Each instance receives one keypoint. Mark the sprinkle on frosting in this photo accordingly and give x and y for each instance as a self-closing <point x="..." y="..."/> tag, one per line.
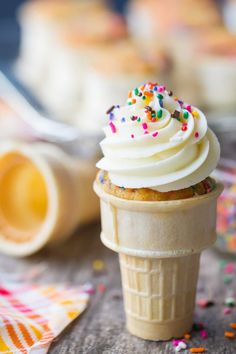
<point x="184" y="151"/>
<point x="113" y="127"/>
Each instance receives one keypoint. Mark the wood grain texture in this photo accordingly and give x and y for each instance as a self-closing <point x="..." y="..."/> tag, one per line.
<point x="101" y="329"/>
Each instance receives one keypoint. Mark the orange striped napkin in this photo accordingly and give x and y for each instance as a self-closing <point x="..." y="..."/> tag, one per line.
<point x="31" y="316"/>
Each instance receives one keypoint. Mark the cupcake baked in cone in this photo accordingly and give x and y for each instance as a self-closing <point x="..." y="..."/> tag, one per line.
<point x="158" y="206"/>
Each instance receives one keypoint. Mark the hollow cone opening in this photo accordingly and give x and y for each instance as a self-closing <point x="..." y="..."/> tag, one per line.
<point x="23" y="198"/>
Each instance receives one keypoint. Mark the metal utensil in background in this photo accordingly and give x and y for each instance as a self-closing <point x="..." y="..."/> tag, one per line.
<point x="45" y="127"/>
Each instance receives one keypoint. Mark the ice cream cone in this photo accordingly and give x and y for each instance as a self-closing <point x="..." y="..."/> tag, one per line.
<point x="159" y="245"/>
<point x="44" y="196"/>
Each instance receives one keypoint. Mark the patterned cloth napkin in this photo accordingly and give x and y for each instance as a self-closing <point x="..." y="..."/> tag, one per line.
<point x="31" y="316"/>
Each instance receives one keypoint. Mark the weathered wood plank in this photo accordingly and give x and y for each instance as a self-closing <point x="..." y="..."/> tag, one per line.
<point x="101" y="329"/>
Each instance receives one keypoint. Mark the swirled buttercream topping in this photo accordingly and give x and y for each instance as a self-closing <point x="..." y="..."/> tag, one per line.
<point x="157" y="141"/>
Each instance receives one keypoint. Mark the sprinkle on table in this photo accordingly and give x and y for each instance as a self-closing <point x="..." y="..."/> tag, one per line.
<point x="229" y="268"/>
<point x="227" y="311"/>
<point x="229" y="301"/>
<point x="205" y="303"/>
<point x="187" y="336"/>
<point x="197" y="326"/>
<point x="181" y="346"/>
<point x="203" y="334"/>
<point x="229" y="334"/>
<point x="98" y="265"/>
<point x="176" y="342"/>
<point x="101" y="288"/>
<point x="197" y="350"/>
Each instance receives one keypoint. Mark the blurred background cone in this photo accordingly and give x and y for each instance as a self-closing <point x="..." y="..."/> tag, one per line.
<point x="44" y="196"/>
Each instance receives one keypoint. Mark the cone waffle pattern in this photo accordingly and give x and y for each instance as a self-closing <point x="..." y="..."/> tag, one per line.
<point x="159" y="290"/>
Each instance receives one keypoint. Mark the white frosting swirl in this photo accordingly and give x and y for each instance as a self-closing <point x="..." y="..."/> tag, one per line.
<point x="163" y="153"/>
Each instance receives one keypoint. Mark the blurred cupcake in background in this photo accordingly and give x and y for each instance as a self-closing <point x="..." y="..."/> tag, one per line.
<point x="74" y="47"/>
<point x="217" y="69"/>
<point x="112" y="71"/>
<point x="159" y="19"/>
<point x="229" y="14"/>
<point x="40" y="21"/>
<point x="174" y="24"/>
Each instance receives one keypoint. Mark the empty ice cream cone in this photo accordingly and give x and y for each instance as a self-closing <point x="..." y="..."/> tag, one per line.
<point x="44" y="196"/>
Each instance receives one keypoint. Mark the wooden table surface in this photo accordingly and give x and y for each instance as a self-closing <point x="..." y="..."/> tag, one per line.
<point x="101" y="329"/>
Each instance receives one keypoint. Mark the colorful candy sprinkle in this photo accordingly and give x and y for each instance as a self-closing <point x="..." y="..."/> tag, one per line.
<point x="181" y="346"/>
<point x="189" y="108"/>
<point x="113" y="127"/>
<point x="101" y="288"/>
<point x="205" y="303"/>
<point x="160" y="96"/>
<point x="197" y="326"/>
<point x="110" y="109"/>
<point x="144" y="125"/>
<point x="175" y="114"/>
<point x="148" y="93"/>
<point x="197" y="350"/>
<point x="161" y="88"/>
<point x="196" y="135"/>
<point x="229" y="301"/>
<point x="187" y="336"/>
<point x="132" y="136"/>
<point x="230" y="335"/>
<point x="195" y="114"/>
<point x="185" y="114"/>
<point x="233" y="325"/>
<point x="204" y="334"/>
<point x="227" y="311"/>
<point x="175" y="342"/>
<point x="229" y="268"/>
<point x="159" y="113"/>
<point x="155" y="134"/>
<point x="98" y="265"/>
